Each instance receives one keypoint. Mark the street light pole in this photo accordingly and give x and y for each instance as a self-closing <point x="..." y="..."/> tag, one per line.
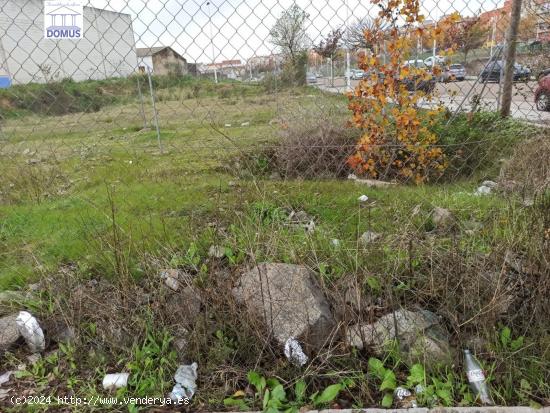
<point x="348" y="62"/>
<point x="212" y="42"/>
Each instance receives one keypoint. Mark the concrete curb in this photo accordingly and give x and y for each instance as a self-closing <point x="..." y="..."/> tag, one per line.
<point x="439" y="410"/>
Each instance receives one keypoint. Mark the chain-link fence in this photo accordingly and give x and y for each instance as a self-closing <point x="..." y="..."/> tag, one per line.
<point x="203" y="136"/>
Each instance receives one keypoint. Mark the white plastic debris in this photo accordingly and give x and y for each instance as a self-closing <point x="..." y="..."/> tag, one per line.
<point x="402" y="393"/>
<point x="115" y="381"/>
<point x="186" y="386"/>
<point x="490" y="184"/>
<point x="245" y="124"/>
<point x="32" y="332"/>
<point x="4" y="378"/>
<point x="227" y="125"/>
<point x="335" y="242"/>
<point x="483" y="190"/>
<point x="363" y="198"/>
<point x="294" y="352"/>
<point x="352" y="177"/>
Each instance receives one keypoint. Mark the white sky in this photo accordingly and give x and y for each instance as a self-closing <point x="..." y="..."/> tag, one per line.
<point x="240" y="28"/>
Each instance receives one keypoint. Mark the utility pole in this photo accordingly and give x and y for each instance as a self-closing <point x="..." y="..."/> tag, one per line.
<point x="510" y="58"/>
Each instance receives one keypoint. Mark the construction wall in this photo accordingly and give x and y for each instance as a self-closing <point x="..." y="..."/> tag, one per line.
<point x="107" y="49"/>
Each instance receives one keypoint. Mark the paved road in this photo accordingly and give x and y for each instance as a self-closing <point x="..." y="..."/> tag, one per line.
<point x="452" y="95"/>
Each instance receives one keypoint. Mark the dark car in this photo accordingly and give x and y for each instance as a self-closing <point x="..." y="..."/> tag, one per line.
<point x="494" y="70"/>
<point x="542" y="73"/>
<point x="542" y="94"/>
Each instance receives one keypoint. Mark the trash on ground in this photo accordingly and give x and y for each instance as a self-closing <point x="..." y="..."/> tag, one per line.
<point x="335" y="242"/>
<point x="363" y="198"/>
<point x="483" y="190"/>
<point x="186" y="377"/>
<point x="32" y="332"/>
<point x="401" y="393"/>
<point x="245" y="124"/>
<point x="4" y="378"/>
<point x="476" y="377"/>
<point x="294" y="352"/>
<point x="115" y="381"/>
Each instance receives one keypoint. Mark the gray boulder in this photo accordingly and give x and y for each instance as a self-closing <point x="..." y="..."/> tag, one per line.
<point x="289" y="300"/>
<point x="442" y="218"/>
<point x="9" y="333"/>
<point x="421" y="337"/>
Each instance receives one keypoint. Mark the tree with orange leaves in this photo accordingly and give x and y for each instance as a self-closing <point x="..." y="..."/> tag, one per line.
<point x="397" y="142"/>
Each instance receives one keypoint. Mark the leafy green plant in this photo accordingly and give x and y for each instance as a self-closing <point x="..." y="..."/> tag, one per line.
<point x="151" y="366"/>
<point x="273" y="396"/>
<point x="388" y="381"/>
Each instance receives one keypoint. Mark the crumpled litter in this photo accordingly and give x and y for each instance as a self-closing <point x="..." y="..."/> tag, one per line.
<point x="4" y="378"/>
<point x="186" y="386"/>
<point x="294" y="352"/>
<point x="486" y="188"/>
<point x="32" y="332"/>
<point x="115" y="381"/>
<point x="483" y="190"/>
<point x="402" y="393"/>
<point x="363" y="198"/>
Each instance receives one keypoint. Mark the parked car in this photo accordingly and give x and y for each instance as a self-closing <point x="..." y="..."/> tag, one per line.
<point x="439" y="61"/>
<point x="543" y="73"/>
<point x="494" y="70"/>
<point x="414" y="83"/>
<point x="457" y="72"/>
<point x="357" y="74"/>
<point x="542" y="94"/>
<point x="311" y="78"/>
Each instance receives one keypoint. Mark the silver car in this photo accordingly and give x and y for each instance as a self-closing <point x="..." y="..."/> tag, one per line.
<point x="457" y="72"/>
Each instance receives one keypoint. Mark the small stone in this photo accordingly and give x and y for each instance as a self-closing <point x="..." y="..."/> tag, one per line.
<point x="369" y="237"/>
<point x="173" y="278"/>
<point x="489" y="184"/>
<point x="231" y="183"/>
<point x="245" y="124"/>
<point x="216" y="251"/>
<point x="420" y="336"/>
<point x="300" y="217"/>
<point x="9" y="333"/>
<point x="34" y="358"/>
<point x="442" y="218"/>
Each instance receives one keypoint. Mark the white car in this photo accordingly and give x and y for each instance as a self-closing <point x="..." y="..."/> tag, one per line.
<point x="439" y="61"/>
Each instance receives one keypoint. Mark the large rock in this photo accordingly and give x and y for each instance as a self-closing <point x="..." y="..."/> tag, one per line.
<point x="290" y="301"/>
<point x="421" y="337"/>
<point x="9" y="333"/>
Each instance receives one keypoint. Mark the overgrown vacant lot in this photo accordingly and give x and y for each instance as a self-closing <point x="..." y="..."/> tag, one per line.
<point x="92" y="211"/>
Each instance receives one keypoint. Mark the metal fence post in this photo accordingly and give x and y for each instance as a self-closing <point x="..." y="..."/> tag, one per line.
<point x="155" y="114"/>
<point x="510" y="58"/>
<point x="141" y="103"/>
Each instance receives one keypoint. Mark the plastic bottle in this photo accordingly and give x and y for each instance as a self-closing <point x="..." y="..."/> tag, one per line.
<point x="476" y="377"/>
